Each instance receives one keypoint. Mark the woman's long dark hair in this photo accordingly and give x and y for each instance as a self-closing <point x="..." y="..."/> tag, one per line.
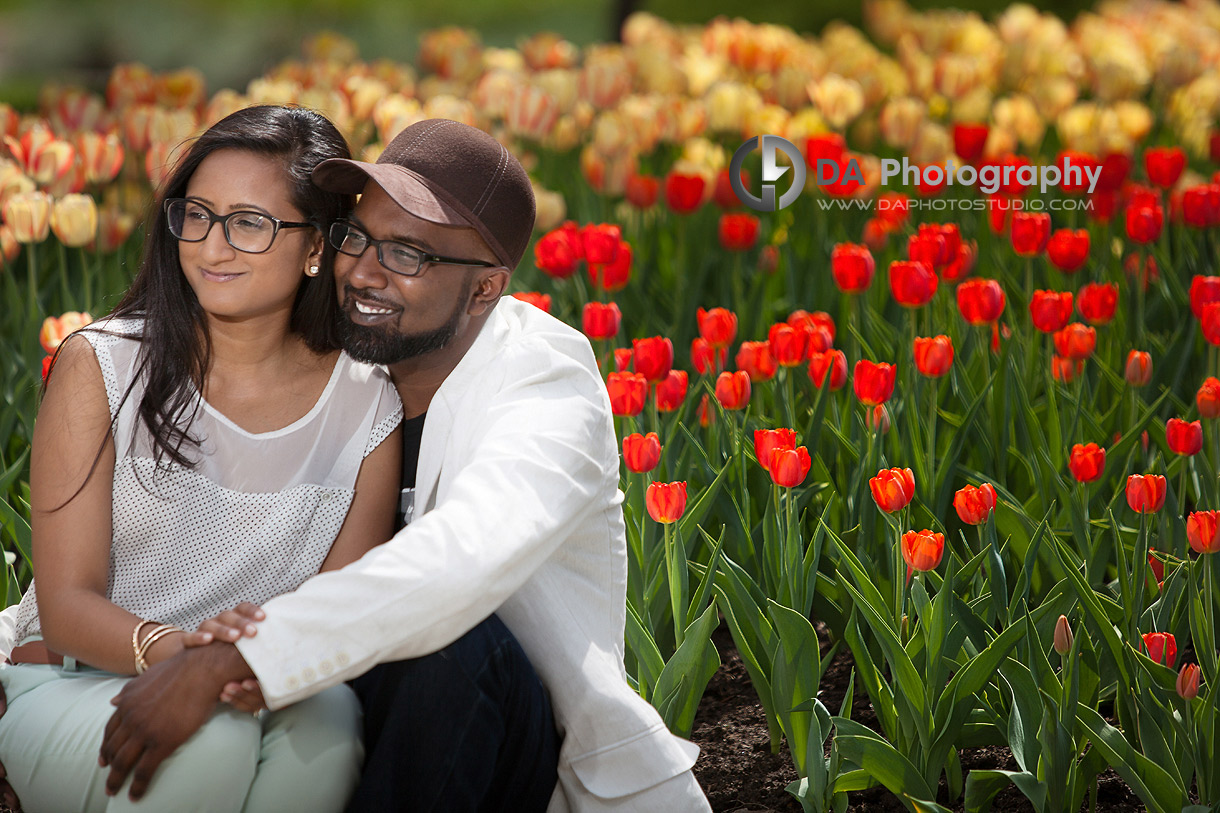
<point x="175" y="346"/>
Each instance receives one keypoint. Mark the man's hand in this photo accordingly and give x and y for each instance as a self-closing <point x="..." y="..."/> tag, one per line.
<point x="161" y="709"/>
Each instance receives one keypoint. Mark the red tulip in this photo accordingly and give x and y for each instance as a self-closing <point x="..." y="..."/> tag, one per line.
<point x="1139" y="368"/>
<point x="832" y="362"/>
<point x="601" y="321"/>
<point x="1065" y="370"/>
<point x="733" y="389"/>
<point x="1076" y="341"/>
<point x="737" y="231"/>
<point x="1078" y="159"/>
<point x="937" y="244"/>
<point x="642" y="190"/>
<point x="875" y="234"/>
<point x="1050" y="310"/>
<point x="818" y="326"/>
<point x="600" y="241"/>
<point x="962" y="264"/>
<point x="790" y="467"/>
<point x="705" y="358"/>
<point x="666" y="502"/>
<point x="1146" y="492"/>
<point x="1187" y="683"/>
<point x="1164" y="165"/>
<point x="1063" y="636"/>
<point x="1184" y="438"/>
<point x="1203" y="531"/>
<point x="969" y="140"/>
<point x="1031" y="231"/>
<point x="1203" y="291"/>
<point x="1210" y="322"/>
<point x="1086" y="462"/>
<point x="981" y="301"/>
<point x="1145" y="219"/>
<point x="614" y="275"/>
<point x="788" y="344"/>
<point x="556" y="254"/>
<point x="671" y="391"/>
<point x="717" y="326"/>
<point x="540" y="301"/>
<point x="1097" y="301"/>
<point x="622" y="359"/>
<point x="1162" y="647"/>
<point x="768" y="441"/>
<point x="1157" y="566"/>
<point x="825" y="146"/>
<point x="853" y="267"/>
<point x="933" y="356"/>
<point x="768" y="259"/>
<point x="684" y="193"/>
<point x="1208" y="398"/>
<point x="922" y="550"/>
<point x="653" y="357"/>
<point x="704" y="412"/>
<point x="877" y="419"/>
<point x="1068" y="249"/>
<point x="892" y="489"/>
<point x="974" y="505"/>
<point x="641" y="453"/>
<point x="912" y="283"/>
<point x="873" y="383"/>
<point x="627" y="392"/>
<point x="723" y="193"/>
<point x="756" y="360"/>
<point x="892" y="210"/>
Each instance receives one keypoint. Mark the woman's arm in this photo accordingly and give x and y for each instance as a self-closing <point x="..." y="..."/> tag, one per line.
<point x="71" y="522"/>
<point x="370" y="520"/>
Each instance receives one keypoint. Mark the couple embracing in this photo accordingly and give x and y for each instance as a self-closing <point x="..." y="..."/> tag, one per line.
<point x="304" y="551"/>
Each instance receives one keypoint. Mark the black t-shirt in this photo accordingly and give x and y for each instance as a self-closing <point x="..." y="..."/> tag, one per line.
<point x="412" y="432"/>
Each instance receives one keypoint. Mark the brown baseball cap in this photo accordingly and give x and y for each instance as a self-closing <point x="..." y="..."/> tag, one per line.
<point x="447" y="172"/>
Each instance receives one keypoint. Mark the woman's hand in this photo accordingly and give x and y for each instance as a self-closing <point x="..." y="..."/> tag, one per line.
<point x="245" y="696"/>
<point x="229" y="625"/>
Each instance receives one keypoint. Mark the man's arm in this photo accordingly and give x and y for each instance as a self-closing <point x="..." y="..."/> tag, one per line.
<point x="540" y="463"/>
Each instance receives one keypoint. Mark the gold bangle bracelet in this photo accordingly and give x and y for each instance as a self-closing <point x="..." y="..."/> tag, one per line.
<point x="135" y="645"/>
<point x="159" y="632"/>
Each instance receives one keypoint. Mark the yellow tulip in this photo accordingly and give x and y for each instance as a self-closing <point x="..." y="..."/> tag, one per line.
<point x="28" y="214"/>
<point x="74" y="220"/>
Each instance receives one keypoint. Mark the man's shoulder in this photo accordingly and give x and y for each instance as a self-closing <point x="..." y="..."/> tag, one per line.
<point x="529" y="331"/>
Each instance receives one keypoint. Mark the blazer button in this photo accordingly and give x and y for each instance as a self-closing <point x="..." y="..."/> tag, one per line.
<point x="343" y="659"/>
<point x="292" y="683"/>
<point x="309" y="674"/>
<point x="326" y="667"/>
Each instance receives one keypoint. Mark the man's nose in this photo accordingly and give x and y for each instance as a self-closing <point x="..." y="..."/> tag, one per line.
<point x="364" y="271"/>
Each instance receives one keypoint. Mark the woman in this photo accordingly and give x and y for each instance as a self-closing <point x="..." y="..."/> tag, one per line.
<point x="205" y="446"/>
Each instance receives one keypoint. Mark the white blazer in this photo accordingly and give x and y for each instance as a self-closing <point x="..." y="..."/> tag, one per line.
<point x="518" y="512"/>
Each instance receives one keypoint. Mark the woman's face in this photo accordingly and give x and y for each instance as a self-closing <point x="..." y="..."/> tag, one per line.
<point x="235" y="285"/>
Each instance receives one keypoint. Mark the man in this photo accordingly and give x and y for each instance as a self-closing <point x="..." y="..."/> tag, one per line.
<point x="516" y="511"/>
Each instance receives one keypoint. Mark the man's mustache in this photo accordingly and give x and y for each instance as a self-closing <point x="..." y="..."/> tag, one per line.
<point x="349" y="292"/>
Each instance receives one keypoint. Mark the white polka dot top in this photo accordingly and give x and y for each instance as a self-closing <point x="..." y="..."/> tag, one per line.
<point x="256" y="516"/>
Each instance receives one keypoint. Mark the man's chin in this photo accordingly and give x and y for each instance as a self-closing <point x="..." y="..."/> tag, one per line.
<point x="379" y="346"/>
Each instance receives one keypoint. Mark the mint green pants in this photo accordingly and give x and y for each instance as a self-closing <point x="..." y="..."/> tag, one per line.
<point x="304" y="757"/>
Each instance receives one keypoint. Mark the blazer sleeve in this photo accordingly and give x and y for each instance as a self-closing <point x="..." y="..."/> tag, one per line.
<point x="540" y="460"/>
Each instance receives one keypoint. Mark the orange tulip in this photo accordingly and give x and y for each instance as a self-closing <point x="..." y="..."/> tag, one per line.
<point x="641" y="453"/>
<point x="57" y="328"/>
<point x="1208" y="398"/>
<point x="1063" y="636"/>
<point x="892" y="489"/>
<point x="1187" y="683"/>
<point x="1203" y="531"/>
<point x="790" y="467"/>
<point x="666" y="502"/>
<point x="1139" y="368"/>
<point x="769" y="441"/>
<point x="974" y="505"/>
<point x="922" y="550"/>
<point x="538" y="300"/>
<point x="733" y="389"/>
<point x="1146" y="492"/>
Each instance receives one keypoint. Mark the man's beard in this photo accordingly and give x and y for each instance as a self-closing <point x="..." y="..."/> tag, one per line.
<point x="388" y="345"/>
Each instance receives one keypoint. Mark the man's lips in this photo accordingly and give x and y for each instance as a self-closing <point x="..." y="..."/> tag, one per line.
<point x="367" y="310"/>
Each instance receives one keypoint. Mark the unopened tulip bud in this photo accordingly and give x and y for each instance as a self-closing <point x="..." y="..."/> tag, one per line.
<point x="1188" y="682"/>
<point x="1063" y="636"/>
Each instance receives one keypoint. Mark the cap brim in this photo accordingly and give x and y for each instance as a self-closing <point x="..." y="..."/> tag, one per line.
<point x="406" y="188"/>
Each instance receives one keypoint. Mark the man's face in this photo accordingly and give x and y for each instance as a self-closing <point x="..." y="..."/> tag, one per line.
<point x="387" y="317"/>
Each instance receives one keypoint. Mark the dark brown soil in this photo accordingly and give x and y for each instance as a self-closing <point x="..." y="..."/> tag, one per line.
<point x="740" y="774"/>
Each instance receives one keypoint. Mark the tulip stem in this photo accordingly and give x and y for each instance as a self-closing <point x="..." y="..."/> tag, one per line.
<point x="85" y="280"/>
<point x="932" y="415"/>
<point x="64" y="290"/>
<point x="1182" y="492"/>
<point x="674" y="597"/>
<point x="1140" y="569"/>
<point x="1140" y="284"/>
<point x="32" y="280"/>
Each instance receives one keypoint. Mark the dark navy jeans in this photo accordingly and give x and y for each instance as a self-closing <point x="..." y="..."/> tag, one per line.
<point x="467" y="729"/>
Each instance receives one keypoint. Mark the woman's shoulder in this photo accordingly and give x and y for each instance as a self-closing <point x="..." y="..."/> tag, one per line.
<point x="110" y="330"/>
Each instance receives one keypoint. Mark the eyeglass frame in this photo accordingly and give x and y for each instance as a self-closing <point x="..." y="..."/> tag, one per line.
<point x="223" y="220"/>
<point x="424" y="256"/>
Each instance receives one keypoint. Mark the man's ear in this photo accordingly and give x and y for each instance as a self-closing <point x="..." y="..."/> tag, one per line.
<point x="489" y="286"/>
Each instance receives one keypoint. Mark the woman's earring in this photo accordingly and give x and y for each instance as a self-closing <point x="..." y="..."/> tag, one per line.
<point x="312" y="271"/>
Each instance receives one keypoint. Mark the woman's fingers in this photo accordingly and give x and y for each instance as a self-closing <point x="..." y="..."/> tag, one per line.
<point x="250" y="611"/>
<point x="197" y="638"/>
<point x="229" y="626"/>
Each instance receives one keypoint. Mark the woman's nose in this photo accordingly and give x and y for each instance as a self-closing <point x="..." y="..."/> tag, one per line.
<point x="215" y="247"/>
